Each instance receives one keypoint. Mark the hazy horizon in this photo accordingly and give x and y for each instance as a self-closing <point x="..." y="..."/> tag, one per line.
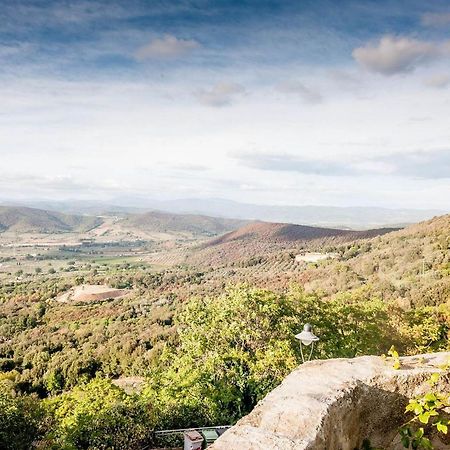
<point x="268" y="102"/>
<point x="144" y="202"/>
<point x="357" y="218"/>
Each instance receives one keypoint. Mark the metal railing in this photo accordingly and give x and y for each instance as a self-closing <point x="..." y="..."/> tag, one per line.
<point x="182" y="430"/>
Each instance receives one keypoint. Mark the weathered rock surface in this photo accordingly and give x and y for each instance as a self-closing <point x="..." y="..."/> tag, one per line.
<point x="336" y="405"/>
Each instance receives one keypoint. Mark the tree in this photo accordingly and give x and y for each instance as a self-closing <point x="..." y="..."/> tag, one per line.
<point x="99" y="415"/>
<point x="20" y="419"/>
<point x="231" y="351"/>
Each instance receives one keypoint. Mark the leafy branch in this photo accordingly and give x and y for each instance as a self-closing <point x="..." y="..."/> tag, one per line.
<point x="393" y="353"/>
<point x="428" y="413"/>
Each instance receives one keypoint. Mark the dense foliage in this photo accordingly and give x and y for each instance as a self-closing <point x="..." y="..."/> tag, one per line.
<point x="227" y="353"/>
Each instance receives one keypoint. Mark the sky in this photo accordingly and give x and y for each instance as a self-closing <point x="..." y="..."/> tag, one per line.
<point x="306" y="102"/>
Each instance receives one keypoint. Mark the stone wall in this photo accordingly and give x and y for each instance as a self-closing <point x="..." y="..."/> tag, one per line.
<point x="336" y="405"/>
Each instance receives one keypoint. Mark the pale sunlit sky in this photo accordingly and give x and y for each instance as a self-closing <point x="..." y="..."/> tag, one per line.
<point x="284" y="102"/>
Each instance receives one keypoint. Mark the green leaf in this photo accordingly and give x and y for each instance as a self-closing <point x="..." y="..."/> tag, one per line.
<point x="392" y="352"/>
<point x="430" y="397"/>
<point x="434" y="379"/>
<point x="405" y="441"/>
<point x="426" y="444"/>
<point x="442" y="427"/>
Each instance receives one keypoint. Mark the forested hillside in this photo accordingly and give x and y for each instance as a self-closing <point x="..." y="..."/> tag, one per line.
<point x="410" y="266"/>
<point x="270" y="240"/>
<point x="162" y="222"/>
<point x="30" y="220"/>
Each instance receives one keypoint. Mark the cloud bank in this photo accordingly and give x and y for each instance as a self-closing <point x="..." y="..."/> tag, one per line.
<point x="434" y="164"/>
<point x="439" y="81"/>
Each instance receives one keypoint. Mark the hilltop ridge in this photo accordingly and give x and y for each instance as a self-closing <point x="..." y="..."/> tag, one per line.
<point x="30" y="220"/>
<point x="287" y="232"/>
<point x="200" y="225"/>
<point x="271" y="240"/>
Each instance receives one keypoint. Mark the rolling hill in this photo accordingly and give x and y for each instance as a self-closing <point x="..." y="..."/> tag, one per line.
<point x="286" y="232"/>
<point x="31" y="220"/>
<point x="197" y="225"/>
<point x="410" y="266"/>
<point x="265" y="240"/>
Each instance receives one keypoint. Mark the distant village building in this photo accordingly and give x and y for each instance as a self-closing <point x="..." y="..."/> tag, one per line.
<point x="312" y="257"/>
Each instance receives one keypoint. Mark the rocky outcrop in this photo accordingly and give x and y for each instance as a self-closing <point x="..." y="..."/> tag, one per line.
<point x="336" y="405"/>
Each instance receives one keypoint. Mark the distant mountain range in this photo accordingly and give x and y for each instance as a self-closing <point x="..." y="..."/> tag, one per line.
<point x="325" y="216"/>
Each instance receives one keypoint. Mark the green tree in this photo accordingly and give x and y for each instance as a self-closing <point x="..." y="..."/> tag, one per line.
<point x="233" y="349"/>
<point x="20" y="420"/>
<point x="99" y="415"/>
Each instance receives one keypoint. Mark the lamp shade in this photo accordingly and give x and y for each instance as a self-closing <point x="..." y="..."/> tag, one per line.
<point x="307" y="337"/>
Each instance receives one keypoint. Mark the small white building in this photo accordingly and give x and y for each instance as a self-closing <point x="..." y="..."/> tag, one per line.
<point x="312" y="257"/>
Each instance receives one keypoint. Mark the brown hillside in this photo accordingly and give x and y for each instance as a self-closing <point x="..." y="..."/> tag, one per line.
<point x="283" y="232"/>
<point x="407" y="267"/>
<point x="262" y="239"/>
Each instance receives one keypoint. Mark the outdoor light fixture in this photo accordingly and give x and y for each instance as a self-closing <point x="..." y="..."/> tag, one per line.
<point x="307" y="337"/>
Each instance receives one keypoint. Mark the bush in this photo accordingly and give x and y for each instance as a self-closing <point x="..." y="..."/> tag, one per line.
<point x="20" y="421"/>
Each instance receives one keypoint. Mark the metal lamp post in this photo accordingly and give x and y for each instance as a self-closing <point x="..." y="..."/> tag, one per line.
<point x="307" y="337"/>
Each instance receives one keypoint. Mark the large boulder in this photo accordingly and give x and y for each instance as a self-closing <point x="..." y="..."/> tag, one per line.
<point x="336" y="405"/>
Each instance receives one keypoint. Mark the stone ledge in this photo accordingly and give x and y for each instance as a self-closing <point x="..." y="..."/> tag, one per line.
<point x="335" y="405"/>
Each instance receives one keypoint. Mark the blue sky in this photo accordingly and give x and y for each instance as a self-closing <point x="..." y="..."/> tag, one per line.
<point x="303" y="102"/>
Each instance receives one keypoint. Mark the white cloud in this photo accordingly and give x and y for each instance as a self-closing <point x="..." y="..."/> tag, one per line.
<point x="291" y="163"/>
<point x="436" y="19"/>
<point x="222" y="94"/>
<point x="307" y="94"/>
<point x="439" y="81"/>
<point x="167" y="47"/>
<point x="431" y="164"/>
<point x="392" y="55"/>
